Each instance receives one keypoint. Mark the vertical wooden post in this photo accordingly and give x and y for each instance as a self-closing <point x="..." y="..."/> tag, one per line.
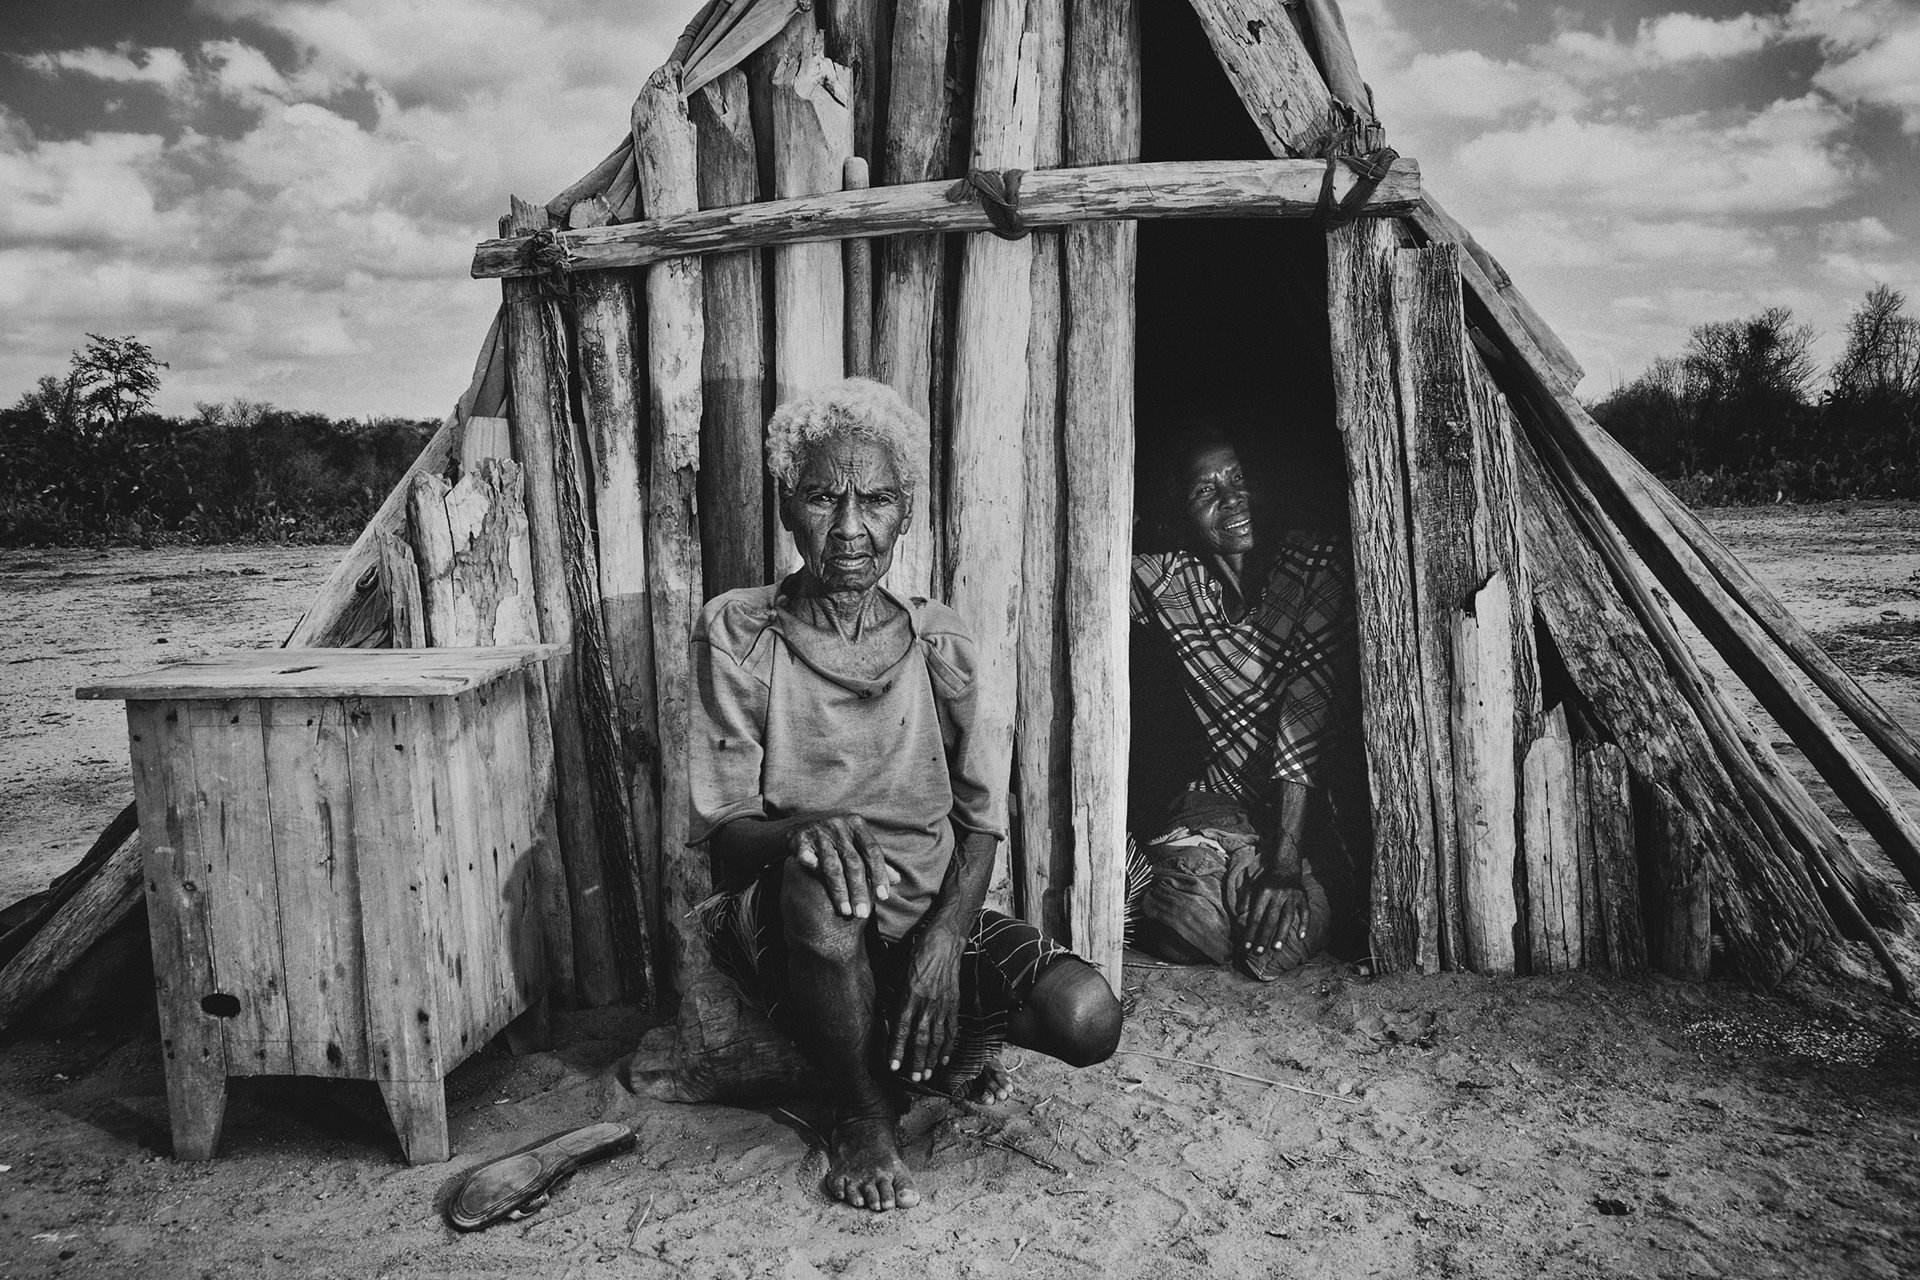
<point x="911" y="268"/>
<point x="1685" y="937"/>
<point x="1549" y="837"/>
<point x="664" y="142"/>
<point x="1102" y="127"/>
<point x="1041" y="732"/>
<point x="858" y="35"/>
<point x="812" y="136"/>
<point x="1486" y="788"/>
<point x="1613" y="913"/>
<point x="541" y="432"/>
<point x="987" y="506"/>
<point x="859" y="268"/>
<point x="1405" y="924"/>
<point x="610" y="393"/>
<point x="733" y="517"/>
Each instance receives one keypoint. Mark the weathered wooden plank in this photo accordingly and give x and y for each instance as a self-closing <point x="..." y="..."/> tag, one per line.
<point x="1683" y="906"/>
<point x="1041" y="732"/>
<point x="611" y="380"/>
<point x="229" y="799"/>
<point x="1486" y="788"/>
<point x="1405" y="923"/>
<point x="1272" y="72"/>
<point x="191" y="1037"/>
<point x="316" y="866"/>
<point x="812" y="138"/>
<point x="1607" y="831"/>
<point x="908" y="335"/>
<point x="987" y="507"/>
<point x="105" y="898"/>
<point x="1048" y="198"/>
<point x="543" y="440"/>
<point x="665" y="141"/>
<point x="321" y="673"/>
<point x="1549" y="839"/>
<point x="733" y="511"/>
<point x="395" y="850"/>
<point x="1102" y="127"/>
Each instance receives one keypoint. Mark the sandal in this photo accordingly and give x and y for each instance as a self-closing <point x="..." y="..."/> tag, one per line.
<point x="520" y="1183"/>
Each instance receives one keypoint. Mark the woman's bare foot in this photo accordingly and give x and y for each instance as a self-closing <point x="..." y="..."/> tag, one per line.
<point x="864" y="1167"/>
<point x="994" y="1084"/>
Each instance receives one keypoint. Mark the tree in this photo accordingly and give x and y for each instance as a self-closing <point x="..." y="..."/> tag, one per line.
<point x="114" y="378"/>
<point x="1748" y="380"/>
<point x="1882" y="359"/>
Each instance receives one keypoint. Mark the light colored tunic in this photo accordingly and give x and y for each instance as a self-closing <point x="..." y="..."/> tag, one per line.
<point x="776" y="736"/>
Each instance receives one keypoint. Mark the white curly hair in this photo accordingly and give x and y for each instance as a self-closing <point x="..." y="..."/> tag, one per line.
<point x="854" y="409"/>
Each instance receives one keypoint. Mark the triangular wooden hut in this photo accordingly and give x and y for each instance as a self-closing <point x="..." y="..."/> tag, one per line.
<point x="807" y="192"/>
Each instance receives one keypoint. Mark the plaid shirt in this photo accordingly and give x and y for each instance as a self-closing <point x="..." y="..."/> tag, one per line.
<point x="1272" y="689"/>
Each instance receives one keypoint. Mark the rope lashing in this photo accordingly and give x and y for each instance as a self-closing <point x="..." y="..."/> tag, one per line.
<point x="998" y="192"/>
<point x="1369" y="171"/>
<point x="546" y="258"/>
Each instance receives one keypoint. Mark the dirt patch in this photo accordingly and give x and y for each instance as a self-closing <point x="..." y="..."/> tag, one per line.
<point x="1452" y="1126"/>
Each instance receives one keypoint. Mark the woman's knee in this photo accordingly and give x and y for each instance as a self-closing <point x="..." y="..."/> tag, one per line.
<point x="810" y="919"/>
<point x="1073" y="1015"/>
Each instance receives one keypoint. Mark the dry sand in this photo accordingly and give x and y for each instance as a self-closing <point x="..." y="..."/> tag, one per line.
<point x="1571" y="1126"/>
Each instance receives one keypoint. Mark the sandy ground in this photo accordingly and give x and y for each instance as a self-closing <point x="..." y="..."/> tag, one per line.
<point x="1460" y="1126"/>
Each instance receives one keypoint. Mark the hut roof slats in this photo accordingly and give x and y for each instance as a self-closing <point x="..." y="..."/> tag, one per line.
<point x="749" y="30"/>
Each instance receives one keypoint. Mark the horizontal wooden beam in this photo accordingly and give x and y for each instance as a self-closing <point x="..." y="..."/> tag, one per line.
<point x="1048" y="198"/>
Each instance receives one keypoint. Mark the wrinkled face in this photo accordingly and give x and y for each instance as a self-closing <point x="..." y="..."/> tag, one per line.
<point x="845" y="511"/>
<point x="1220" y="501"/>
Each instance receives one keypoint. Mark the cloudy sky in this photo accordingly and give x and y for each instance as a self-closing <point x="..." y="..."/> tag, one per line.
<point x="281" y="196"/>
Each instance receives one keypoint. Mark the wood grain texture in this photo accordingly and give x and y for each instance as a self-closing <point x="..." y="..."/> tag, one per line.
<point x="665" y="140"/>
<point x="1272" y="72"/>
<point x="1683" y="903"/>
<point x="987" y="509"/>
<point x="1102" y="127"/>
<point x="543" y="442"/>
<point x="192" y="1040"/>
<point x="1550" y="841"/>
<point x="812" y="138"/>
<point x="1405" y="923"/>
<point x="612" y="385"/>
<point x="102" y="901"/>
<point x="1486" y="785"/>
<point x="733" y="484"/>
<point x="322" y="673"/>
<point x="909" y="270"/>
<point x="1608" y="832"/>
<point x="1044" y="840"/>
<point x="1048" y="198"/>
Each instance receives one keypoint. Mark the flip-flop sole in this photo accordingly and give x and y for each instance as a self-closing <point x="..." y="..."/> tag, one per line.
<point x="495" y="1189"/>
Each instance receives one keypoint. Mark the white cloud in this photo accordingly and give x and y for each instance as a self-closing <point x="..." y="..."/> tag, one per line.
<point x="308" y="257"/>
<point x="1467" y="85"/>
<point x="1670" y="40"/>
<point x="1787" y="157"/>
<point x="1872" y="50"/>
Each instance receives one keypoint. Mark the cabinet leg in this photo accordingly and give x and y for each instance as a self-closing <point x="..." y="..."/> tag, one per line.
<point x="197" y="1106"/>
<point x="418" y="1109"/>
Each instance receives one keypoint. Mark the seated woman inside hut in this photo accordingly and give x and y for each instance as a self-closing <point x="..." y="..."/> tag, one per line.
<point x="1245" y="667"/>
<point x="851" y="828"/>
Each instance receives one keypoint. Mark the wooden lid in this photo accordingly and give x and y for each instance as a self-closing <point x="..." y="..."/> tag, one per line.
<point x="324" y="673"/>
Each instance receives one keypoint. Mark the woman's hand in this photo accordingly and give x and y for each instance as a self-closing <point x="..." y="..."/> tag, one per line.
<point x="843" y="853"/>
<point x="1268" y="902"/>
<point x="924" y="1032"/>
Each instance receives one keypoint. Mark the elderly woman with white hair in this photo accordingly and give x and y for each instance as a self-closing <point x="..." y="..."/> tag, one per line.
<point x="838" y="789"/>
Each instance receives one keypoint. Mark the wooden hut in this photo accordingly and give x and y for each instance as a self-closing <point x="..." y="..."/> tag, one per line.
<point x="1030" y="217"/>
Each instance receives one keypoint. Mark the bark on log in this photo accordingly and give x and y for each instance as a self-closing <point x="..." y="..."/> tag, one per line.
<point x="1048" y="198"/>
<point x="1405" y="923"/>
<point x="1685" y="933"/>
<point x="544" y="445"/>
<point x="114" y="889"/>
<point x="1607" y="842"/>
<point x="1551" y="844"/>
<point x="665" y="141"/>
<point x="1045" y="836"/>
<point x="406" y="625"/>
<point x="1102" y="127"/>
<point x="908" y="312"/>
<point x="1486" y="789"/>
<point x="733" y="501"/>
<point x="859" y="268"/>
<point x="610" y="395"/>
<point x="987" y="508"/>
<point x="1763" y="902"/>
<point x="1270" y="69"/>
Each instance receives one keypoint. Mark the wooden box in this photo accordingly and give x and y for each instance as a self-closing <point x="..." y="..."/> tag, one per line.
<point x="338" y="848"/>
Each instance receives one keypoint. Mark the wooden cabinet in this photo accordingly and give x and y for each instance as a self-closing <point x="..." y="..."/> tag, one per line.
<point x="338" y="861"/>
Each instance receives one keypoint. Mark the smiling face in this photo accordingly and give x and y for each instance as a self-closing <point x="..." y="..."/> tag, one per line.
<point x="1220" y="501"/>
<point x="845" y="511"/>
